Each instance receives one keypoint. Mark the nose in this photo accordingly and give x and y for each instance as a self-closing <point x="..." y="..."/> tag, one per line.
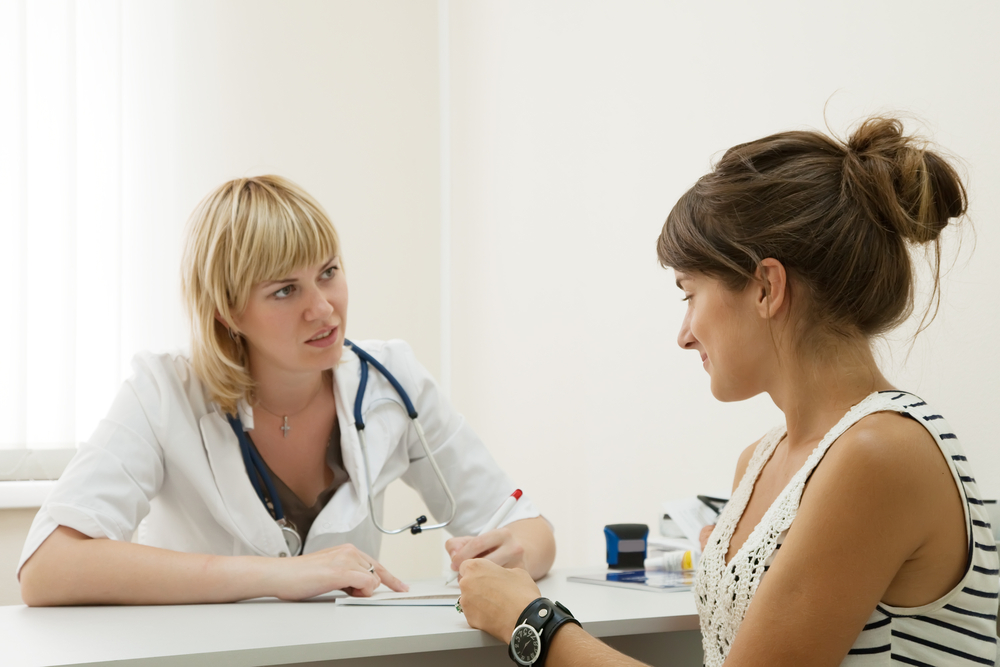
<point x="318" y="307"/>
<point x="684" y="337"/>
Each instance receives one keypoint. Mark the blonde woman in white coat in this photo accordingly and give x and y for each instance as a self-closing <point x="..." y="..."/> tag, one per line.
<point x="265" y="287"/>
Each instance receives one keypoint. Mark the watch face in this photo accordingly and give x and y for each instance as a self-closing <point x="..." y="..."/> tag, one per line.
<point x="526" y="644"/>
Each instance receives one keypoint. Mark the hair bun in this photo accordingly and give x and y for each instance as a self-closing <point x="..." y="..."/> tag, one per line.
<point x="908" y="188"/>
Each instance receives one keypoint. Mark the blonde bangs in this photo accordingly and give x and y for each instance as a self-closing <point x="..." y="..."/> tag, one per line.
<point x="248" y="231"/>
<point x="272" y="235"/>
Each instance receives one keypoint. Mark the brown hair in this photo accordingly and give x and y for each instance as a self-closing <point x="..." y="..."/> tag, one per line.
<point x="839" y="216"/>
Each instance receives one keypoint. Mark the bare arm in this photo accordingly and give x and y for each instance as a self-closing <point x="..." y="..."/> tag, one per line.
<point x="70" y="568"/>
<point x="539" y="545"/>
<point x="527" y="544"/>
<point x="573" y="646"/>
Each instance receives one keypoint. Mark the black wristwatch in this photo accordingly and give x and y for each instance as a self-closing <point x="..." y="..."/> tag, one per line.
<point x="529" y="644"/>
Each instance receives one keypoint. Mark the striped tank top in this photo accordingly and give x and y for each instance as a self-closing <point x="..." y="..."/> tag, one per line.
<point x="957" y="629"/>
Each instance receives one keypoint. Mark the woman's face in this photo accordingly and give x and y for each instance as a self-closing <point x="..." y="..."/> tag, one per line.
<point x="296" y="324"/>
<point x="727" y="330"/>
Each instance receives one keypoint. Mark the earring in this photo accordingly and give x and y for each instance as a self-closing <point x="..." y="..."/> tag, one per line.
<point x="234" y="336"/>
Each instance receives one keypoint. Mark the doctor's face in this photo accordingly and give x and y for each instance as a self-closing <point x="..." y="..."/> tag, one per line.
<point x="724" y="327"/>
<point x="296" y="323"/>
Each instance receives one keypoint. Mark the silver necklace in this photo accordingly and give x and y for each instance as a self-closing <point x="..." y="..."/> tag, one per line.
<point x="285" y="428"/>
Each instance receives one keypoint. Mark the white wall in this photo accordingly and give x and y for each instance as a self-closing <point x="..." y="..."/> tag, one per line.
<point x="576" y="125"/>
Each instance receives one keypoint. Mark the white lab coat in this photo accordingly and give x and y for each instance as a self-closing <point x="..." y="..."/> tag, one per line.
<point x="166" y="456"/>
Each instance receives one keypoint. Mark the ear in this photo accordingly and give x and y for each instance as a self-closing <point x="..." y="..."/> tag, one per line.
<point x="771" y="288"/>
<point x="221" y="320"/>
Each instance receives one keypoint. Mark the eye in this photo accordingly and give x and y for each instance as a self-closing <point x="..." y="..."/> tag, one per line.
<point x="329" y="272"/>
<point x="687" y="297"/>
<point x="284" y="292"/>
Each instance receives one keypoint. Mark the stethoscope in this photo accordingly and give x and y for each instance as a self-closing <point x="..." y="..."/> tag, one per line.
<point x="257" y="471"/>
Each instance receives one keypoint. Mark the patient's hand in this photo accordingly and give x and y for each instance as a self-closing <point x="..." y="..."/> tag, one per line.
<point x="493" y="597"/>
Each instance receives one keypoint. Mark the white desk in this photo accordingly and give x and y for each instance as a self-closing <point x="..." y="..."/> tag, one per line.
<point x="660" y="628"/>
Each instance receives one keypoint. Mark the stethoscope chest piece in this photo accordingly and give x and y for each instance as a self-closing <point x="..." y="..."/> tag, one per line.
<point x="292" y="538"/>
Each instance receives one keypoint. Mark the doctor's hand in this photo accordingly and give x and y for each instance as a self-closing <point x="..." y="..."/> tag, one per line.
<point x="344" y="567"/>
<point x="525" y="543"/>
<point x="500" y="546"/>
<point x="493" y="597"/>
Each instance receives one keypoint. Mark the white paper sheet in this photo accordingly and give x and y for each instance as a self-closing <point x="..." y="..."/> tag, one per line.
<point x="421" y="594"/>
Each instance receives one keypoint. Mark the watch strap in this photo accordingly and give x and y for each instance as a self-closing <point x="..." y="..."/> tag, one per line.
<point x="530" y="613"/>
<point x="558" y="617"/>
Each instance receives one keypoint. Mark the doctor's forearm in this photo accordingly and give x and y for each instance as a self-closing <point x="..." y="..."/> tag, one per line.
<point x="539" y="544"/>
<point x="70" y="568"/>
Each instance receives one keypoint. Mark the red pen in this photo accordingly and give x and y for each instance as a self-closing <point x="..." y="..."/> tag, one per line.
<point x="498" y="516"/>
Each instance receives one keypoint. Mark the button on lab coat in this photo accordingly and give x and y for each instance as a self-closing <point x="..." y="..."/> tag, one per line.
<point x="165" y="461"/>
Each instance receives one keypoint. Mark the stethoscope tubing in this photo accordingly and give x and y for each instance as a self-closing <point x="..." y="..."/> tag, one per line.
<point x="359" y="423"/>
<point x="257" y="471"/>
<point x="253" y="461"/>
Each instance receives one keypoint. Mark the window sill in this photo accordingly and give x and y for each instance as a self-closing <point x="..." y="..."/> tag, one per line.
<point x="28" y="475"/>
<point x="24" y="494"/>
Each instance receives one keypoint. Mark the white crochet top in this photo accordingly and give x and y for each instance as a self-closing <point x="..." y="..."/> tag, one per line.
<point x="959" y="626"/>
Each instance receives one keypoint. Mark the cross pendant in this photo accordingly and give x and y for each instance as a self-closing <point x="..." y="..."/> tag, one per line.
<point x="285" y="429"/>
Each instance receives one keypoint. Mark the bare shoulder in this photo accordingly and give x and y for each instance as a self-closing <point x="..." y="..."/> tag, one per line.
<point x="888" y="454"/>
<point x="891" y="439"/>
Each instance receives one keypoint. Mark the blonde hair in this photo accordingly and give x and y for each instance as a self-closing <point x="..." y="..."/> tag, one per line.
<point x="247" y="231"/>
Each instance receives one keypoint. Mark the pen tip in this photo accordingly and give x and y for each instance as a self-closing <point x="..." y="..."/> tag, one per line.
<point x="517" y="494"/>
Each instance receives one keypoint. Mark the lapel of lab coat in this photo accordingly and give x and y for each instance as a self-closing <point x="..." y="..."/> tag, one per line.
<point x="250" y="519"/>
<point x="346" y="379"/>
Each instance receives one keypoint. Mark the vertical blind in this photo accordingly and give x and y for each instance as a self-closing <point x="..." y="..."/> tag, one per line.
<point x="61" y="246"/>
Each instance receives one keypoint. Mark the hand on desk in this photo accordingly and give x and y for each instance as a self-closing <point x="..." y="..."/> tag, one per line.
<point x="493" y="599"/>
<point x="344" y="567"/>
